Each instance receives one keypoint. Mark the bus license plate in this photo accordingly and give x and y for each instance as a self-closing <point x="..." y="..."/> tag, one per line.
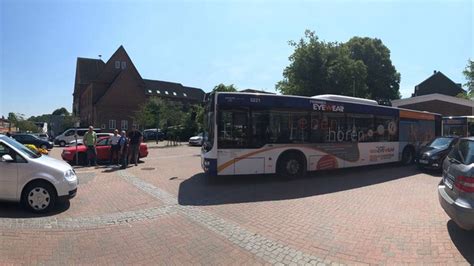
<point x="448" y="182"/>
<point x="424" y="161"/>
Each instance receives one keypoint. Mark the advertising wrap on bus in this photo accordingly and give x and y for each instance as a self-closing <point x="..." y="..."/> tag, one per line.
<point x="266" y="134"/>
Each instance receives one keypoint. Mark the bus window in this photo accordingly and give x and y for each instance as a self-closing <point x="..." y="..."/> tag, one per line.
<point x="261" y="133"/>
<point x="299" y="127"/>
<point x="470" y="129"/>
<point x="233" y="128"/>
<point x="360" y="128"/>
<point x="386" y="128"/>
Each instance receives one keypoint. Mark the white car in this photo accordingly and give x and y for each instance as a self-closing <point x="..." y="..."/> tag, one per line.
<point x="37" y="181"/>
<point x="196" y="140"/>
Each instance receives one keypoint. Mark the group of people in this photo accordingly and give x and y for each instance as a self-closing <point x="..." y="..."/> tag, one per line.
<point x="124" y="148"/>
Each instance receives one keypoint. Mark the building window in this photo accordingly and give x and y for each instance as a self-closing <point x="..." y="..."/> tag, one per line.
<point x="124" y="125"/>
<point x="166" y="92"/>
<point x="124" y="64"/>
<point x="117" y="64"/>
<point x="103" y="126"/>
<point x="112" y="124"/>
<point x="174" y="93"/>
<point x="157" y="91"/>
<point x="185" y="95"/>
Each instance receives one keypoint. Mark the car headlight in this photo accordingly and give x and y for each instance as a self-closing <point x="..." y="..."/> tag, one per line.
<point x="70" y="175"/>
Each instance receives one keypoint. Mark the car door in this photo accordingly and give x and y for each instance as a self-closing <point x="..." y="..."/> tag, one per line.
<point x="103" y="149"/>
<point x="9" y="174"/>
<point x="28" y="139"/>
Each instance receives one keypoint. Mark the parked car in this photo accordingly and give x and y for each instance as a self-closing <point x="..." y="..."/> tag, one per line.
<point x="31" y="139"/>
<point x="42" y="136"/>
<point x="196" y="140"/>
<point x="67" y="136"/>
<point x="456" y="190"/>
<point x="153" y="134"/>
<point x="37" y="181"/>
<point x="103" y="148"/>
<point x="433" y="154"/>
<point x="80" y="141"/>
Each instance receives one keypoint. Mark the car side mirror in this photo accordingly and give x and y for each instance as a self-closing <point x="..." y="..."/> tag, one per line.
<point x="7" y="158"/>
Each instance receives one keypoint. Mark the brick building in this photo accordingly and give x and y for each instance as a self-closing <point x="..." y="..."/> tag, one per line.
<point x="436" y="94"/>
<point x="107" y="95"/>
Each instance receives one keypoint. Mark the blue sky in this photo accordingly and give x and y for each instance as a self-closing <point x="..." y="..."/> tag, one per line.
<point x="204" y="43"/>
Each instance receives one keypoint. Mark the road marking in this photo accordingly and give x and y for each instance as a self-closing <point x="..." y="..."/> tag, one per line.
<point x="271" y="251"/>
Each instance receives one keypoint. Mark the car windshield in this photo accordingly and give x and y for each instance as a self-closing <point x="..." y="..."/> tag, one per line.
<point x="440" y="143"/>
<point x="465" y="151"/>
<point x="21" y="148"/>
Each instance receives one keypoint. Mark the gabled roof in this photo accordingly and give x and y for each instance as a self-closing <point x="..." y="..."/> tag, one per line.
<point x="175" y="90"/>
<point x="88" y="69"/>
<point x="110" y="73"/>
<point x="438" y="83"/>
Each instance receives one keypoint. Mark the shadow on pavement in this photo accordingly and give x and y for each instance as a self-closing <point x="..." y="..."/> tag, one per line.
<point x="463" y="240"/>
<point x="15" y="210"/>
<point x="202" y="190"/>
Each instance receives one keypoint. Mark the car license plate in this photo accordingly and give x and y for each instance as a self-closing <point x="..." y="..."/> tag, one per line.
<point x="448" y="182"/>
<point x="424" y="161"/>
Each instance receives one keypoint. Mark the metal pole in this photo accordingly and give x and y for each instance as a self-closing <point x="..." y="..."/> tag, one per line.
<point x="75" y="137"/>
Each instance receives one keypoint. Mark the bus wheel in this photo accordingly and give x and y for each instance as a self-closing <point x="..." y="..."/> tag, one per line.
<point x="408" y="155"/>
<point x="291" y="165"/>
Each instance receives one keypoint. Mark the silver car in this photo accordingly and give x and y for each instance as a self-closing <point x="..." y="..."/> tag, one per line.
<point x="456" y="190"/>
<point x="37" y="181"/>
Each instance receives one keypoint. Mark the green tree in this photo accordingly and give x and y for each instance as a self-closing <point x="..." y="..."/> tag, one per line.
<point x="225" y="88"/>
<point x="61" y="111"/>
<point x="383" y="80"/>
<point x="21" y="123"/>
<point x="469" y="74"/>
<point x="318" y="67"/>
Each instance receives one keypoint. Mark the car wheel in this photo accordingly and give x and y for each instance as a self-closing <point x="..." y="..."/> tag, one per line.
<point x="291" y="165"/>
<point x="62" y="143"/>
<point x="407" y="156"/>
<point x="39" y="197"/>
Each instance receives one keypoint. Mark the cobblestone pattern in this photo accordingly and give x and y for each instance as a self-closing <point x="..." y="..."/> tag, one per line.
<point x="85" y="177"/>
<point x="271" y="251"/>
<point x="86" y="222"/>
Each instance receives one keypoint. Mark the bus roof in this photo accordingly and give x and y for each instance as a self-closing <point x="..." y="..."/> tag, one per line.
<point x="341" y="98"/>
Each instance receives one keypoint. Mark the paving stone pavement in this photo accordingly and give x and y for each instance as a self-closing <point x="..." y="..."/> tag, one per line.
<point x="165" y="211"/>
<point x="271" y="251"/>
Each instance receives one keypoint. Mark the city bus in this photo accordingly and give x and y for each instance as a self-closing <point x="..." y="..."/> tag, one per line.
<point x="258" y="133"/>
<point x="462" y="126"/>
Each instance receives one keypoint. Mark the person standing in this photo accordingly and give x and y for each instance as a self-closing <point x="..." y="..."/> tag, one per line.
<point x="123" y="148"/>
<point x="136" y="139"/>
<point x="90" y="140"/>
<point x="115" y="148"/>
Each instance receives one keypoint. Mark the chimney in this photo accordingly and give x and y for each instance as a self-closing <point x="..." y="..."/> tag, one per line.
<point x="434" y="71"/>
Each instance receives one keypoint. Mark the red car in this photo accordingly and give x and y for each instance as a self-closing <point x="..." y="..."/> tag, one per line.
<point x="103" y="152"/>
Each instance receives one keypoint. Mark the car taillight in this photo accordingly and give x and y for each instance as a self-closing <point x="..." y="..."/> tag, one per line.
<point x="464" y="183"/>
